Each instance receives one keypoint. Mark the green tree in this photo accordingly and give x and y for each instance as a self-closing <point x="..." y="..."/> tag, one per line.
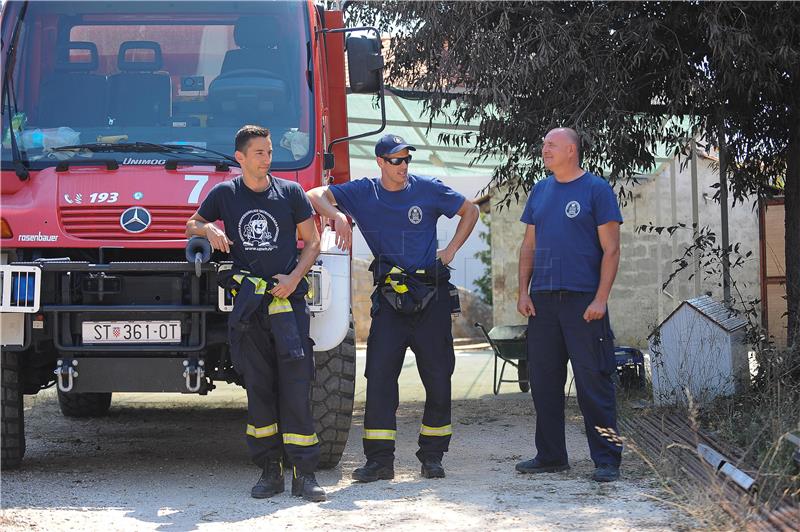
<point x="629" y="76"/>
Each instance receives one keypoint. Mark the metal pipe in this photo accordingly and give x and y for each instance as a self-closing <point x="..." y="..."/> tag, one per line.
<point x="695" y="216"/>
<point x="723" y="202"/>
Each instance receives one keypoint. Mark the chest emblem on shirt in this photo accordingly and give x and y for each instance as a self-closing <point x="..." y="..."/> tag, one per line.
<point x="573" y="209"/>
<point x="258" y="230"/>
<point x="415" y="215"/>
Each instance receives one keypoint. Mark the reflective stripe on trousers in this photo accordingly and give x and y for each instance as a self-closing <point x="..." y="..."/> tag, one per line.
<point x="380" y="434"/>
<point x="304" y="440"/>
<point x="446" y="430"/>
<point x="262" y="432"/>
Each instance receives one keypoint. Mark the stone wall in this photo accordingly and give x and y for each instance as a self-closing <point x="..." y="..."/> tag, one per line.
<point x="472" y="308"/>
<point x="507" y="233"/>
<point x="637" y="301"/>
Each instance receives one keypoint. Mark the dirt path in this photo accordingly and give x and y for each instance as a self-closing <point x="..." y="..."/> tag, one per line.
<point x="181" y="464"/>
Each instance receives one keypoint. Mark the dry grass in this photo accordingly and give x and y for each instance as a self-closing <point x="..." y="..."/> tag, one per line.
<point x="759" y="420"/>
<point x="755" y="422"/>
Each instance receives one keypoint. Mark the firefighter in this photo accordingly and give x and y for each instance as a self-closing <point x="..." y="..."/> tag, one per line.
<point x="568" y="260"/>
<point x="411" y="305"/>
<point x="269" y="325"/>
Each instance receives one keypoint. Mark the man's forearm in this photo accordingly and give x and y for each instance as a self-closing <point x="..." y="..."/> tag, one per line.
<point x="321" y="203"/>
<point x="465" y="225"/>
<point x="525" y="268"/>
<point x="608" y="272"/>
<point x="196" y="228"/>
<point x="307" y="257"/>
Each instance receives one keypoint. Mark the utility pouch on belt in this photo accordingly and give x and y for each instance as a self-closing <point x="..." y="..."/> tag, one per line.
<point x="404" y="303"/>
<point x="408" y="293"/>
<point x="455" y="300"/>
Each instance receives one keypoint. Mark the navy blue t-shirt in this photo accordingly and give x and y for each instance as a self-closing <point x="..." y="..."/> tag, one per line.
<point x="399" y="227"/>
<point x="261" y="225"/>
<point x="566" y="216"/>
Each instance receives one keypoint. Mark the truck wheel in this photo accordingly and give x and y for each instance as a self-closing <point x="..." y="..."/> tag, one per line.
<point x="12" y="436"/>
<point x="332" y="398"/>
<point x="84" y="404"/>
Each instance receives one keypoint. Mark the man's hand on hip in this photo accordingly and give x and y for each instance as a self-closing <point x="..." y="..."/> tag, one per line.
<point x="445" y="255"/>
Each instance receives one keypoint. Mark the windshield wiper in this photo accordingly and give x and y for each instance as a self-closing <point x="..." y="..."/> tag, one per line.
<point x="18" y="161"/>
<point x="192" y="149"/>
<point x="149" y="147"/>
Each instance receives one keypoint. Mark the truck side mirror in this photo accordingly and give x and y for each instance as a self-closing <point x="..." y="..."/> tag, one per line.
<point x="364" y="64"/>
<point x="328" y="162"/>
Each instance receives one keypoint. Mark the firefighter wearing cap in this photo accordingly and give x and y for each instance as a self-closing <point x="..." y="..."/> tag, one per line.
<point x="397" y="214"/>
<point x="269" y="326"/>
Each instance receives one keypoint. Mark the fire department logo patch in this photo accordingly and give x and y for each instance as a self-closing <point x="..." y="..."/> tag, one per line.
<point x="573" y="209"/>
<point x="415" y="215"/>
<point x="258" y="230"/>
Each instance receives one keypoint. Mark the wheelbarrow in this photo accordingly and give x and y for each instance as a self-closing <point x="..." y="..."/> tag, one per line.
<point x="509" y="343"/>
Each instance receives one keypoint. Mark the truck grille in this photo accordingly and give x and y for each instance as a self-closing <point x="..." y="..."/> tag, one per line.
<point x="103" y="222"/>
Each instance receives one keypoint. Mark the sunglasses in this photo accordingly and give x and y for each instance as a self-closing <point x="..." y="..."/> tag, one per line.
<point x="397" y="161"/>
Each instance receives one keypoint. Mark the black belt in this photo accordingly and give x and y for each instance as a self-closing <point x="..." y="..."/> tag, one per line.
<point x="560" y="293"/>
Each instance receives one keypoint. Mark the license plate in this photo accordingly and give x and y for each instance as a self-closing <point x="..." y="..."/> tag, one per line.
<point x="131" y="332"/>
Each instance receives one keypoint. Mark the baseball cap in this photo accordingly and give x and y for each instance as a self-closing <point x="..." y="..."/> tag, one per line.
<point x="389" y="144"/>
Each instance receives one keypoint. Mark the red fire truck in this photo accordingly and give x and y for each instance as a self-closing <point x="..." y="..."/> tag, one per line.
<point x="118" y="118"/>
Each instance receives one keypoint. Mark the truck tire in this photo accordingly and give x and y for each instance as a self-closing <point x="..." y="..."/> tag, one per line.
<point x="332" y="398"/>
<point x="12" y="437"/>
<point x="84" y="404"/>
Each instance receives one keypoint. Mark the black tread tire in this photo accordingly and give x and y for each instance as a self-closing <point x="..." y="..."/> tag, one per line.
<point x="84" y="404"/>
<point x="522" y="375"/>
<point x="332" y="398"/>
<point x="12" y="437"/>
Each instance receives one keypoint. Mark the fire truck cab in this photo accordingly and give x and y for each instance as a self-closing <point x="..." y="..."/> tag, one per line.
<point x="118" y="118"/>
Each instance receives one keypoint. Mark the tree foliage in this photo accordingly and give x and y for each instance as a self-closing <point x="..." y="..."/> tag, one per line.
<point x="633" y="78"/>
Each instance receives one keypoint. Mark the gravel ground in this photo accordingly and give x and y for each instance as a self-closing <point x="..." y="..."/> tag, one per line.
<point x="180" y="463"/>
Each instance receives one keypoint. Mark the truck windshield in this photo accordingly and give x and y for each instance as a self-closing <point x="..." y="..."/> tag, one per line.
<point x="158" y="72"/>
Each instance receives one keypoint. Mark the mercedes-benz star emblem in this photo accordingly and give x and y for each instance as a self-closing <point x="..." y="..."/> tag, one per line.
<point x="135" y="219"/>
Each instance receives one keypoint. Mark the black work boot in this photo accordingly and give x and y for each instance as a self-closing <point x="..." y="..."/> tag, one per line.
<point x="432" y="468"/>
<point x="305" y="485"/>
<point x="373" y="471"/>
<point x="534" y="465"/>
<point x="271" y="481"/>
<point x="606" y="473"/>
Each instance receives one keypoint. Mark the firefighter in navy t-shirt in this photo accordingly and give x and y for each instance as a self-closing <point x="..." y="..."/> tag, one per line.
<point x="269" y="325"/>
<point x="567" y="263"/>
<point x="397" y="214"/>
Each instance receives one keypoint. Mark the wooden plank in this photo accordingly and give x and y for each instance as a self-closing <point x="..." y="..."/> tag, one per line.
<point x="775" y="240"/>
<point x="776" y="312"/>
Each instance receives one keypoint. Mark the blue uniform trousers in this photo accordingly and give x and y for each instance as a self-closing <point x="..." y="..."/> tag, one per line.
<point x="279" y="415"/>
<point x="428" y="333"/>
<point x="556" y="334"/>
